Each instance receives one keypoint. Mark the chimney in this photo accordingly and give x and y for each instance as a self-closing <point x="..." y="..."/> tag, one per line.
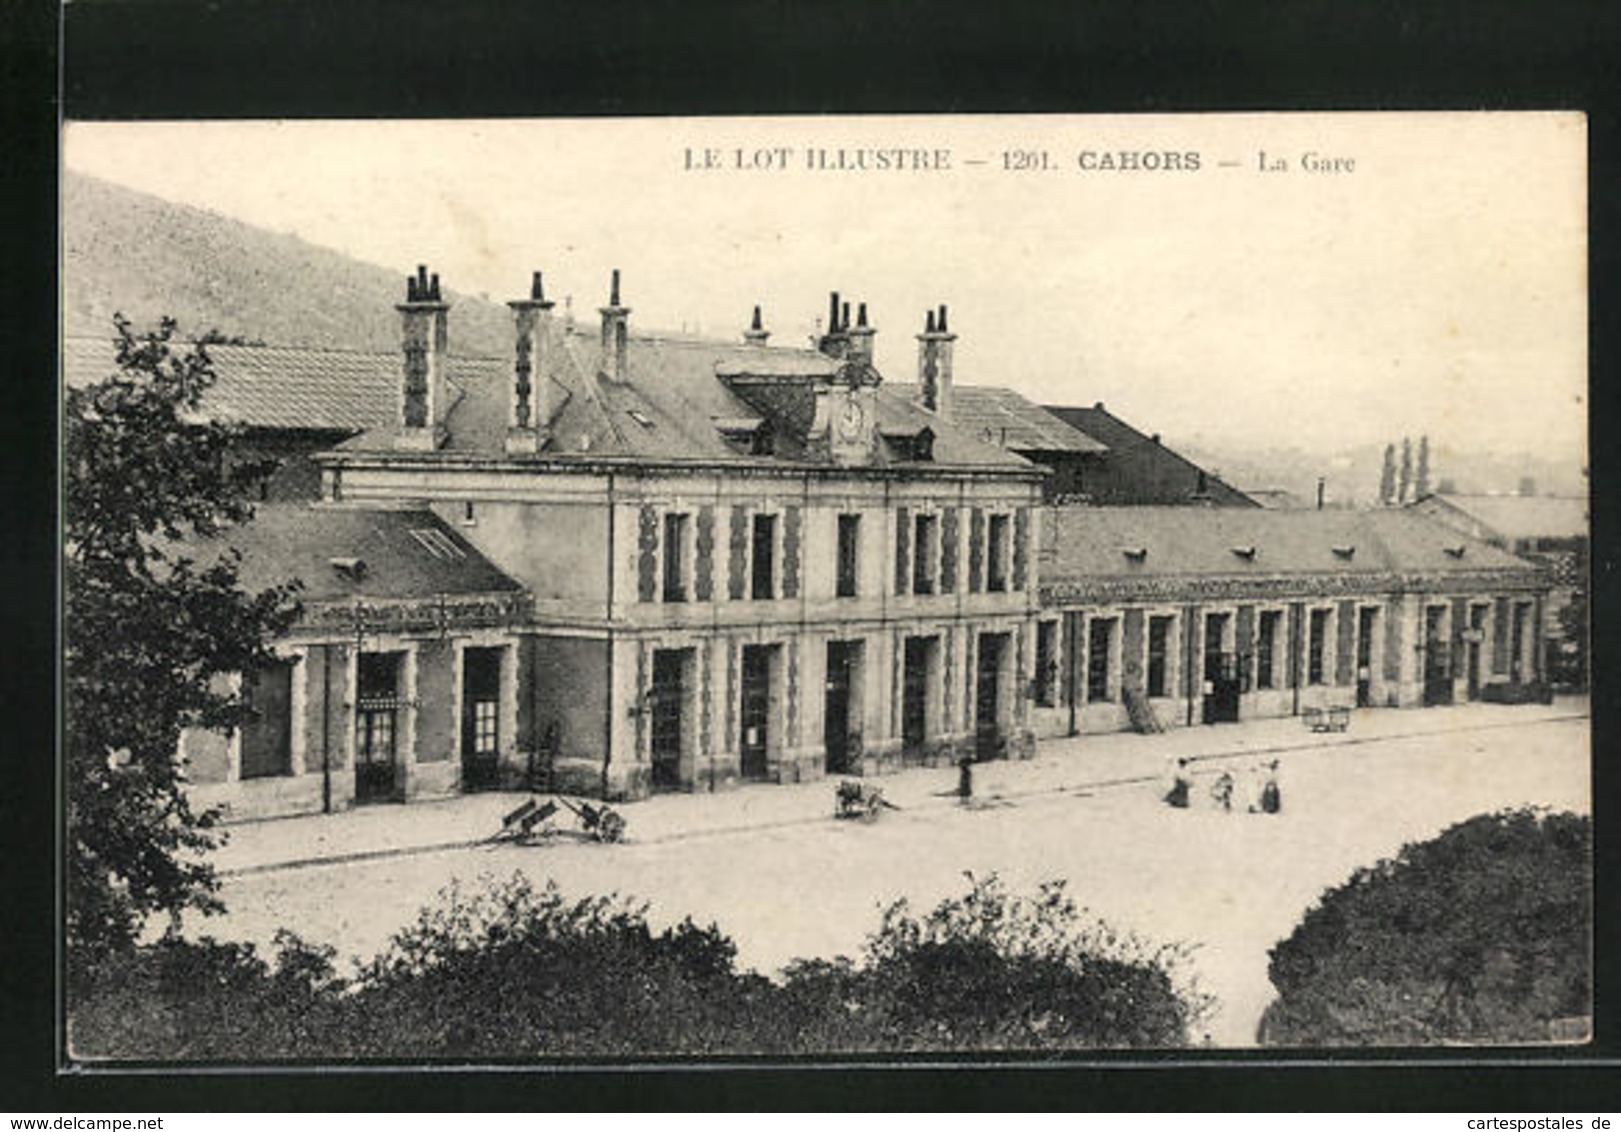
<point x="422" y="394"/>
<point x="530" y="411"/>
<point x="860" y="349"/>
<point x="934" y="363"/>
<point x="835" y="343"/>
<point x="756" y="334"/>
<point x="615" y="333"/>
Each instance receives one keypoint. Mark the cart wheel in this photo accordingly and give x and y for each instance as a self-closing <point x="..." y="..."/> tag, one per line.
<point x="611" y="827"/>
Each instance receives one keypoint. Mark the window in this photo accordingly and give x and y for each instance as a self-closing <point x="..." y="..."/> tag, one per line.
<point x="1318" y="641"/>
<point x="849" y="554"/>
<point x="763" y="583"/>
<point x="1266" y="649"/>
<point x="485" y="730"/>
<point x="1100" y="635"/>
<point x="997" y="555"/>
<point x="925" y="551"/>
<point x="1046" y="662"/>
<point x="1159" y="639"/>
<point x="675" y="557"/>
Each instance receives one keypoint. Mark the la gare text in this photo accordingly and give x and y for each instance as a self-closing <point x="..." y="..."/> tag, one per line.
<point x="903" y="159"/>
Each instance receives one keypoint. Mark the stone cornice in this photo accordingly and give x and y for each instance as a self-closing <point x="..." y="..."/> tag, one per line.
<point x="645" y="466"/>
<point x="1177" y="587"/>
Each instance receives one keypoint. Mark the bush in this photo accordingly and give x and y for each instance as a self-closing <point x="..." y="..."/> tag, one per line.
<point x="514" y="971"/>
<point x="204" y="1001"/>
<point x="1481" y="934"/>
<point x="989" y="970"/>
<point x="511" y="971"/>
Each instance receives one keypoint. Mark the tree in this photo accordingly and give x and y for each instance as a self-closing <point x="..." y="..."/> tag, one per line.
<point x="1481" y="934"/>
<point x="1421" y="478"/>
<point x="149" y="630"/>
<point x="1387" y="477"/>
<point x="1406" y="483"/>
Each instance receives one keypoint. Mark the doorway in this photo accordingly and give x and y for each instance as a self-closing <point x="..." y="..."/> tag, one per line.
<point x="667" y="702"/>
<point x="920" y="661"/>
<point x="759" y="664"/>
<point x="1473" y="649"/>
<point x="377" y="727"/>
<point x="481" y="719"/>
<point x="1437" y="672"/>
<point x="1367" y="624"/>
<point x="841" y="714"/>
<point x="993" y="649"/>
<point x="267" y="733"/>
<point x="1220" y="671"/>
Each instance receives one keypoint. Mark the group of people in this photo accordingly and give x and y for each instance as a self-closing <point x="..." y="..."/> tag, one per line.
<point x="1260" y="792"/>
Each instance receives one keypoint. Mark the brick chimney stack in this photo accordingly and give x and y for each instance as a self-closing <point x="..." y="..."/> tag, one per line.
<point x="615" y="334"/>
<point x="756" y="334"/>
<point x="423" y="398"/>
<point x="530" y="411"/>
<point x="934" y="363"/>
<point x="836" y="342"/>
<point x="860" y="348"/>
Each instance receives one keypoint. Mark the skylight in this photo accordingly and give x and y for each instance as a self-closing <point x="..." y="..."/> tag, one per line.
<point x="438" y="544"/>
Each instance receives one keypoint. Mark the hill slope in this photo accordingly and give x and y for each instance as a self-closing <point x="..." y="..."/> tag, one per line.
<point x="126" y="251"/>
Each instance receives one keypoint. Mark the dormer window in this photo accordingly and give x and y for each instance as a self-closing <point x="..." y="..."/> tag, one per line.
<point x="923" y="445"/>
<point x="1247" y="553"/>
<point x="1454" y="551"/>
<point x="354" y="569"/>
<point x="1345" y="552"/>
<point x="1135" y="553"/>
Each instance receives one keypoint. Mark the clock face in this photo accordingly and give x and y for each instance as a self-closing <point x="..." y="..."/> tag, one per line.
<point x="850" y="421"/>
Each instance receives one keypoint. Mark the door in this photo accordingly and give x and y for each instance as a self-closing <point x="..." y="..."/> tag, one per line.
<point x="267" y="734"/>
<point x="756" y="713"/>
<point x="481" y="715"/>
<point x="987" y="696"/>
<point x="376" y="727"/>
<point x="1472" y="655"/>
<point x="1366" y="625"/>
<point x="1220" y="673"/>
<point x="915" y="695"/>
<point x="667" y="703"/>
<point x="841" y="664"/>
<point x="1437" y="673"/>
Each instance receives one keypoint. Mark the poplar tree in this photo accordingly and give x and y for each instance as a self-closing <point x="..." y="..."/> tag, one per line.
<point x="1387" y="477"/>
<point x="1421" y="485"/>
<point x="1406" y="483"/>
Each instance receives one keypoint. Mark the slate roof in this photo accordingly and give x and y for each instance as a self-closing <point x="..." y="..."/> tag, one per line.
<point x="1088" y="542"/>
<point x="287" y="387"/>
<point x="294" y="540"/>
<point x="1515" y="517"/>
<point x="676" y="391"/>
<point x="1007" y="419"/>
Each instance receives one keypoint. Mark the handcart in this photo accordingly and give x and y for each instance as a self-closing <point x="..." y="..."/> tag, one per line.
<point x="858" y="800"/>
<point x="599" y="822"/>
<point x="527" y="822"/>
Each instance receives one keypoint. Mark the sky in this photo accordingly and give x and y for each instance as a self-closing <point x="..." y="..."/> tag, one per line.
<point x="1319" y="281"/>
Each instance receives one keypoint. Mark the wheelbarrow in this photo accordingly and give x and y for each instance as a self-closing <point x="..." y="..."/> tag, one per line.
<point x="599" y="822"/>
<point x="858" y="800"/>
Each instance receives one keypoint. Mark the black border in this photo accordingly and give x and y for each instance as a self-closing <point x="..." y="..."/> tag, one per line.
<point x="410" y="58"/>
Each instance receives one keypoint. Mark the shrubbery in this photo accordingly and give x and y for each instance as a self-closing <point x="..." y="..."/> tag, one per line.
<point x="511" y="971"/>
<point x="1481" y="934"/>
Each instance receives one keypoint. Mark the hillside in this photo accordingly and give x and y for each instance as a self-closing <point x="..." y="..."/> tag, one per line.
<point x="127" y="251"/>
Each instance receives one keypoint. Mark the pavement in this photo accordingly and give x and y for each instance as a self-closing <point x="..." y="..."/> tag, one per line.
<point x="1081" y="764"/>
